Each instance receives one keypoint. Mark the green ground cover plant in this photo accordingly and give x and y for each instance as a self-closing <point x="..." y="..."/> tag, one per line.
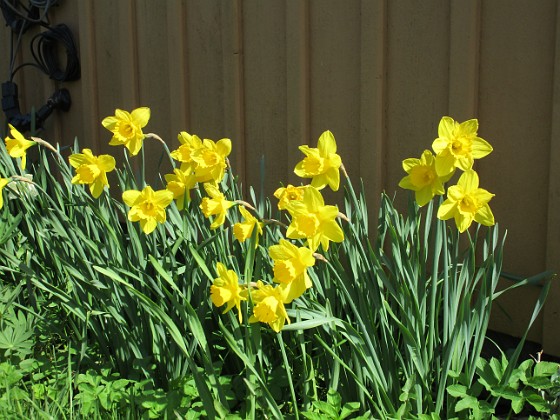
<point x="188" y="299"/>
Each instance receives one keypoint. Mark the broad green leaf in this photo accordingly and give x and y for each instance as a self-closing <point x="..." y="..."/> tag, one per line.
<point x="538" y="402"/>
<point x="457" y="391"/>
<point x="466" y="403"/>
<point x="546" y="368"/>
<point x="517" y="404"/>
<point x="505" y="392"/>
<point x="349" y="408"/>
<point x="326" y="408"/>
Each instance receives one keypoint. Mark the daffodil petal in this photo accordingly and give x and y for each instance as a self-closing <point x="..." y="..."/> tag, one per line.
<point x="96" y="188"/>
<point x="333" y="178"/>
<point x="410" y="163"/>
<point x="446" y="127"/>
<point x="445" y="164"/>
<point x="223" y="147"/>
<point x="468" y="181"/>
<point x="482" y="196"/>
<point x="407" y="184"/>
<point x="131" y="197"/>
<point x="446" y="210"/>
<point x="110" y="122"/>
<point x="141" y="116"/>
<point x="468" y="127"/>
<point x="106" y="162"/>
<point x="78" y="159"/>
<point x="148" y="225"/>
<point x="463" y="221"/>
<point x="163" y="198"/>
<point x="480" y="148"/>
<point x="484" y="216"/>
<point x="423" y="196"/>
<point x="326" y="143"/>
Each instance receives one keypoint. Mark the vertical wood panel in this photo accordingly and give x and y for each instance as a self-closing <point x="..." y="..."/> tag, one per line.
<point x="154" y="88"/>
<point x="88" y="81"/>
<point x="233" y="79"/>
<point x="514" y="109"/>
<point x="551" y="338"/>
<point x="464" y="48"/>
<point x="264" y="47"/>
<point x="297" y="84"/>
<point x="418" y="81"/>
<point x="335" y="80"/>
<point x="205" y="70"/>
<point x="373" y="77"/>
<point x="177" y="70"/>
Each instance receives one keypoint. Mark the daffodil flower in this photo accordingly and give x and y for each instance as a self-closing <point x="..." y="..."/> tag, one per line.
<point x="313" y="220"/>
<point x="92" y="170"/>
<point x="458" y="145"/>
<point x="225" y="289"/>
<point x="322" y="164"/>
<point x="147" y="207"/>
<point x="268" y="306"/>
<point x="3" y="183"/>
<point x="18" y="145"/>
<point x="422" y="178"/>
<point x="290" y="268"/>
<point x="180" y="183"/>
<point x="210" y="160"/>
<point x="189" y="143"/>
<point x="215" y="205"/>
<point x="244" y="230"/>
<point x="289" y="193"/>
<point x="127" y="128"/>
<point x="466" y="202"/>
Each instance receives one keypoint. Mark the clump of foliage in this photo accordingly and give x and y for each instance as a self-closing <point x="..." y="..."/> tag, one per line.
<point x="110" y="300"/>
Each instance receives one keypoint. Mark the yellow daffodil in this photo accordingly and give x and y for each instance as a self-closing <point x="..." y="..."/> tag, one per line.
<point x="180" y="183"/>
<point x="225" y="289"/>
<point x="322" y="164"/>
<point x="422" y="178"/>
<point x="127" y="128"/>
<point x="92" y="170"/>
<point x="289" y="193"/>
<point x="290" y="268"/>
<point x="18" y="145"/>
<point x="189" y="143"/>
<point x="147" y="207"/>
<point x="210" y="160"/>
<point x="3" y="183"/>
<point x="244" y="230"/>
<point x="458" y="145"/>
<point x="268" y="306"/>
<point x="215" y="205"/>
<point x="313" y="220"/>
<point x="466" y="202"/>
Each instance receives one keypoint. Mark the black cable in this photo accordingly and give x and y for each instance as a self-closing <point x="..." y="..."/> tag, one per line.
<point x="44" y="48"/>
<point x="47" y="4"/>
<point x="46" y="51"/>
<point x="13" y="51"/>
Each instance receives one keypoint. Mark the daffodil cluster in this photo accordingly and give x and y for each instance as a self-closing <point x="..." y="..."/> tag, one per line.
<point x="17" y="145"/>
<point x="456" y="147"/>
<point x="313" y="226"/>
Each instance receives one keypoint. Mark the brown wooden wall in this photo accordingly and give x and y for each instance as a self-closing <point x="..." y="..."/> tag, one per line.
<point x="274" y="74"/>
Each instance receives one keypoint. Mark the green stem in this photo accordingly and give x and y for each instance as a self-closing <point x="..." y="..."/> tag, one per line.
<point x="143" y="170"/>
<point x="288" y="373"/>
